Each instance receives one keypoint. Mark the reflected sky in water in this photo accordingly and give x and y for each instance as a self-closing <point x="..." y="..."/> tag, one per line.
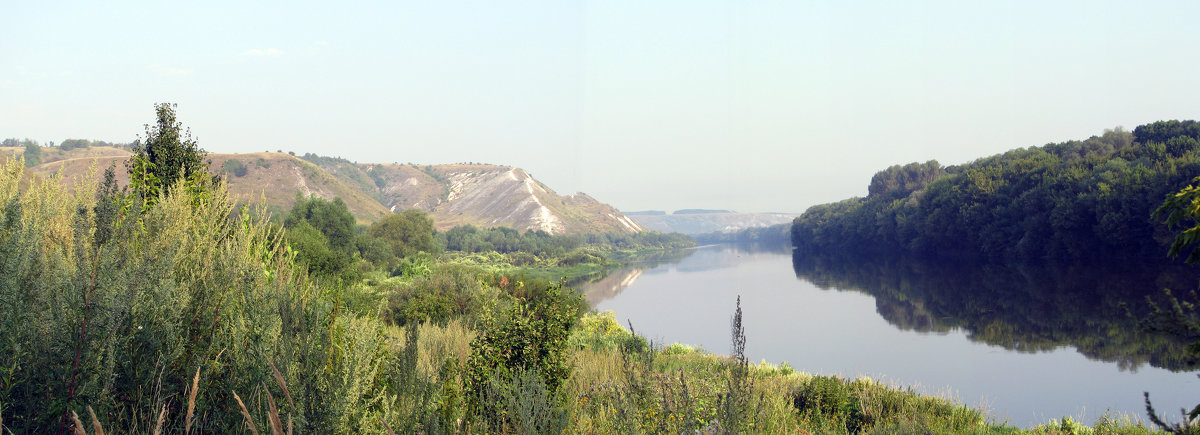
<point x="840" y="331"/>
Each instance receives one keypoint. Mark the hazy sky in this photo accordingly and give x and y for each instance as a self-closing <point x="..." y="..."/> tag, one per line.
<point x="747" y="105"/>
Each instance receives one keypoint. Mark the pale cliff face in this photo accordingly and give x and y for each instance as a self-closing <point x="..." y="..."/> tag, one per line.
<point x="490" y="195"/>
<point x="482" y="195"/>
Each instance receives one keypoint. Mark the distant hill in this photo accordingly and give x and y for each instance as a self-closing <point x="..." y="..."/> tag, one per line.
<point x="701" y="211"/>
<point x="705" y="223"/>
<point x="482" y="195"/>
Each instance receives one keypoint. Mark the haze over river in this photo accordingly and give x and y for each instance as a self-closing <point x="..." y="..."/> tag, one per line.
<point x="1026" y="344"/>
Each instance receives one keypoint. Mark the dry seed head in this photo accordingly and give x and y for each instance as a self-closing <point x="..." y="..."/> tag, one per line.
<point x="78" y="424"/>
<point x="245" y="413"/>
<point x="187" y="424"/>
<point x="95" y="422"/>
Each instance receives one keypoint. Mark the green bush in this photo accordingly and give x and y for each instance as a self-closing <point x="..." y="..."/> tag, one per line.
<point x="826" y="398"/>
<point x="439" y="295"/>
<point x="235" y="167"/>
<point x="601" y="332"/>
<point x="580" y="256"/>
<point x="530" y="336"/>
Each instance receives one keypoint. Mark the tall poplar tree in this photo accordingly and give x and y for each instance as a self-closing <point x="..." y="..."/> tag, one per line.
<point x="166" y="155"/>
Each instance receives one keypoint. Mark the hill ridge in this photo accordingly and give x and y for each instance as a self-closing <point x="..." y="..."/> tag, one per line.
<point x="454" y="194"/>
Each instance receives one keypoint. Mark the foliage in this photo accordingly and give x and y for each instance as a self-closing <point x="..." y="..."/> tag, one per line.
<point x="1182" y="209"/>
<point x="776" y="235"/>
<point x="1079" y="200"/>
<point x="70" y="144"/>
<point x="468" y="238"/>
<point x="322" y="234"/>
<point x="450" y="291"/>
<point x="1183" y="316"/>
<point x="601" y="332"/>
<point x="331" y="218"/>
<point x="737" y="402"/>
<point x="407" y="232"/>
<point x="235" y="167"/>
<point x="120" y="320"/>
<point x="164" y="157"/>
<point x="32" y="154"/>
<point x="529" y="336"/>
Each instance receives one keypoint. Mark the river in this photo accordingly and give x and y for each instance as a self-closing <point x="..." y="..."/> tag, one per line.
<point x="1025" y="344"/>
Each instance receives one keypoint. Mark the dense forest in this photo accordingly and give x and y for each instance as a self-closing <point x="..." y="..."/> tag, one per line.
<point x="1086" y="199"/>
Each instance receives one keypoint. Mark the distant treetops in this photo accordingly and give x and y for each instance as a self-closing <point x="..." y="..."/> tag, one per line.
<point x="1084" y="199"/>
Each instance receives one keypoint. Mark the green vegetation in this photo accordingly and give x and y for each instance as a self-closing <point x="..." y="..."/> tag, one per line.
<point x="775" y="235"/>
<point x="167" y="156"/>
<point x="1181" y="318"/>
<point x="170" y="309"/>
<point x="406" y="233"/>
<point x="33" y="154"/>
<point x="235" y="167"/>
<point x="1088" y="199"/>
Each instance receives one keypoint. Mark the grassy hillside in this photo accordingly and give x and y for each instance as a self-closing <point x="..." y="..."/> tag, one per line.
<point x="453" y="194"/>
<point x="276" y="177"/>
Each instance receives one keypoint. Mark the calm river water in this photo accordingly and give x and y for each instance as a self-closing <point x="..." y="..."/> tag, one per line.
<point x="1025" y="344"/>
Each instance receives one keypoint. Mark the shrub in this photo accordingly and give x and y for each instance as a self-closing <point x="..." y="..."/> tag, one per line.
<point x="830" y="399"/>
<point x="531" y="336"/>
<point x="451" y="291"/>
<point x="601" y="332"/>
<point x="235" y="167"/>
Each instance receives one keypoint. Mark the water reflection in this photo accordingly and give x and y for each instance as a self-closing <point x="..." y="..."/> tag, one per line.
<point x="1028" y="343"/>
<point x="597" y="289"/>
<point x="1025" y="308"/>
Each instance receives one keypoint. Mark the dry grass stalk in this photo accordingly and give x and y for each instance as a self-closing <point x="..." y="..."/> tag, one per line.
<point x="385" y="426"/>
<point x="245" y="413"/>
<point x="187" y="420"/>
<point x="162" y="416"/>
<point x="273" y="417"/>
<point x="95" y="422"/>
<point x="282" y="384"/>
<point x="78" y="424"/>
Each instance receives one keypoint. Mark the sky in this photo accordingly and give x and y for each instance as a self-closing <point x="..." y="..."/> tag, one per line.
<point x="755" y="106"/>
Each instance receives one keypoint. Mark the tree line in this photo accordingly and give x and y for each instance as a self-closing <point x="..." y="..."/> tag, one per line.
<point x="1086" y="199"/>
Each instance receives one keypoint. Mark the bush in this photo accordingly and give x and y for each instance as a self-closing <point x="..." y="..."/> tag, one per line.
<point x="830" y="399"/>
<point x="235" y="167"/>
<point x="580" y="256"/>
<point x="601" y="332"/>
<point x="532" y="337"/>
<point x="438" y="296"/>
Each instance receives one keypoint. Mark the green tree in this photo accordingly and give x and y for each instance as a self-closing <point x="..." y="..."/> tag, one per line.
<point x="33" y="154"/>
<point x="322" y="233"/>
<point x="332" y="218"/>
<point x="1182" y="316"/>
<point x="71" y="144"/>
<point x="1182" y="209"/>
<point x="407" y="232"/>
<point x="166" y="155"/>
